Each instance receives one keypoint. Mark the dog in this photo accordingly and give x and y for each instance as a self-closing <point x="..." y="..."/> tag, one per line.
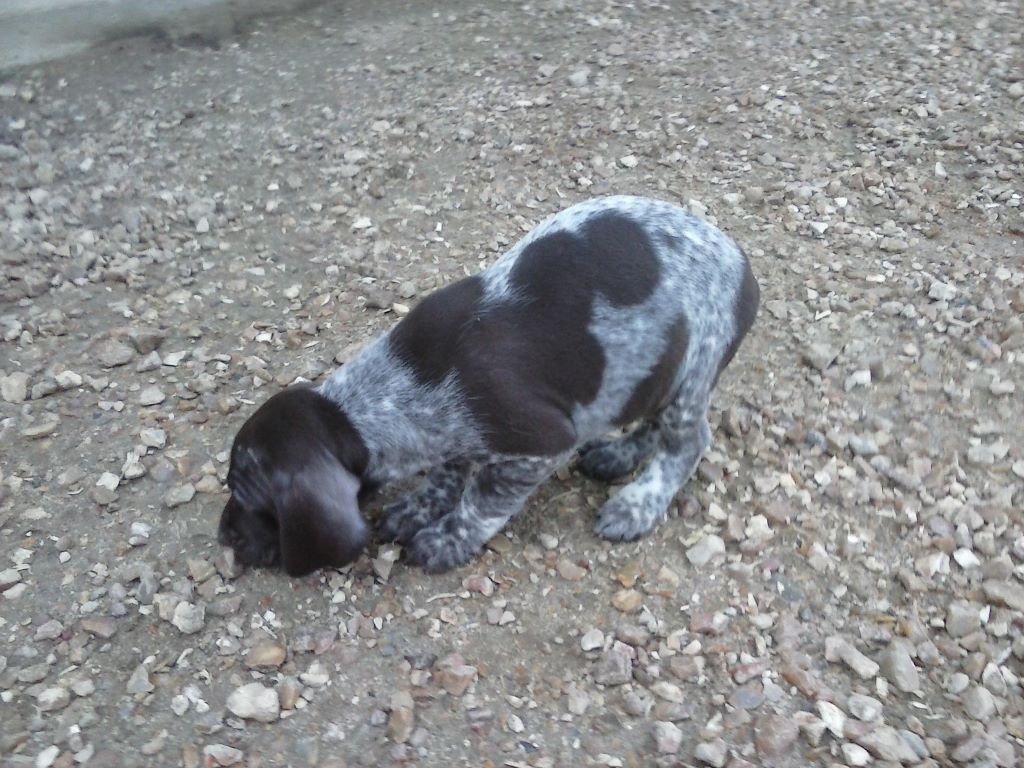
<point x="614" y="312"/>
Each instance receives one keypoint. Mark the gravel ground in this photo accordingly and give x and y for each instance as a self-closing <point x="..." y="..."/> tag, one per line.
<point x="185" y="230"/>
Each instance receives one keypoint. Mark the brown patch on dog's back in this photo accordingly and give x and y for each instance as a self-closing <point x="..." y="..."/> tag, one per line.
<point x="526" y="361"/>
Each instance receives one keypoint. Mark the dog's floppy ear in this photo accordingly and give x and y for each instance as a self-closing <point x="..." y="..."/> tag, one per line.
<point x="319" y="519"/>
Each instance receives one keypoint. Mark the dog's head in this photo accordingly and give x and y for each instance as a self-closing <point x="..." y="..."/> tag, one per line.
<point x="296" y="468"/>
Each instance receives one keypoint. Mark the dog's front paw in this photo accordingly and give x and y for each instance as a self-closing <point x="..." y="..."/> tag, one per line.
<point x="402" y="520"/>
<point x="624" y="518"/>
<point x="442" y="546"/>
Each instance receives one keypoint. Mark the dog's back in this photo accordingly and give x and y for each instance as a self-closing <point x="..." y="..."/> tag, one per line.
<point x="596" y="318"/>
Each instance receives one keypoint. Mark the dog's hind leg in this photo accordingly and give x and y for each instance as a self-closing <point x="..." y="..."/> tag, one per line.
<point x="683" y="435"/>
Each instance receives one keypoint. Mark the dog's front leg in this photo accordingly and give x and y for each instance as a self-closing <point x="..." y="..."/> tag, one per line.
<point x="435" y="497"/>
<point x="494" y="494"/>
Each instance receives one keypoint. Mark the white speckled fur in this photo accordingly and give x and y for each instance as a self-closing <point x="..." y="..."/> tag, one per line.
<point x="408" y="427"/>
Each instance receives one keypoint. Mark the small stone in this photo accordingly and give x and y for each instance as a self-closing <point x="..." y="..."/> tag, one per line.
<point x="254" y="702"/>
<point x="885" y="743"/>
<point x="454" y="676"/>
<point x="49" y="630"/>
<point x="108" y="480"/>
<point x="577" y="701"/>
<point x="855" y="755"/>
<point x="267" y="654"/>
<point x="316" y="676"/>
<point x="864" y="708"/>
<point x="401" y="720"/>
<point x="703" y="551"/>
<point x="112" y="353"/>
<point x="813" y="728"/>
<point x="139" y="681"/>
<point x="962" y="618"/>
<point x="151" y="396"/>
<point x="8" y="578"/>
<point x="222" y="755"/>
<point x="819" y="356"/>
<point x="178" y="495"/>
<point x="50" y="699"/>
<point x="515" y="723"/>
<point x="898" y="667"/>
<point x="580" y="77"/>
<point x="979" y="703"/>
<point x="47" y="757"/>
<point x="713" y="753"/>
<point x="668" y="691"/>
<point x="615" y="666"/>
<point x="592" y="639"/>
<point x="838" y="649"/>
<point x="200" y="569"/>
<point x="385" y="560"/>
<point x="833" y="717"/>
<point x="774" y="734"/>
<point x="189" y="617"/>
<point x="627" y="600"/>
<point x="14" y="387"/>
<point x="569" y="570"/>
<point x="862" y="446"/>
<point x="1006" y="593"/>
<point x="667" y="738"/>
<point x="145" y="340"/>
<point x="83" y="687"/>
<point x="288" y="692"/>
<point x="940" y="291"/>
<point x="153" y="437"/>
<point x="628" y="161"/>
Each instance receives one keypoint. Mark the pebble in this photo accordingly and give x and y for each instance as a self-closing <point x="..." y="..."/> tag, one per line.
<point x="615" y="666"/>
<point x="14" y="387"/>
<point x="895" y="663"/>
<point x="47" y="757"/>
<point x="713" y="753"/>
<point x="189" y="618"/>
<point x="979" y="703"/>
<point x="266" y="654"/>
<point x="454" y="676"/>
<point x="50" y="699"/>
<point x="579" y="77"/>
<point x="593" y="638"/>
<point x="864" y="708"/>
<point x="774" y="734"/>
<point x="627" y="600"/>
<point x="401" y="720"/>
<point x="838" y="649"/>
<point x="254" y="702"/>
<point x="668" y="738"/>
<point x="855" y="755"/>
<point x="962" y="618"/>
<point x="112" y="353"/>
<point x="222" y="755"/>
<point x="139" y="680"/>
<point x="833" y="717"/>
<point x="151" y="396"/>
<point x="703" y="551"/>
<point x="178" y="495"/>
<point x="885" y="743"/>
<point x="819" y="356"/>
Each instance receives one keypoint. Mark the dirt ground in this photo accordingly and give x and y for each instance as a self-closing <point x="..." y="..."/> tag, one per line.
<point x="184" y="230"/>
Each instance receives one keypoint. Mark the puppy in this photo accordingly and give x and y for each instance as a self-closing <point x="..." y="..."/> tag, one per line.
<point x="617" y="311"/>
